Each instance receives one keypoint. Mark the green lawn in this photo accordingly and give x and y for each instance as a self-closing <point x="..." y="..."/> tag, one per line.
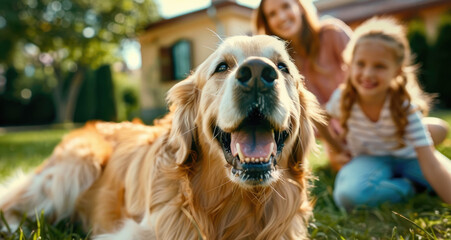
<point x="25" y="150"/>
<point x="423" y="217"/>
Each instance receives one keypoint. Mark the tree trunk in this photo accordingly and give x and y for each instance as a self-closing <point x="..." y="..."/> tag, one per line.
<point x="58" y="95"/>
<point x="72" y="97"/>
<point x="65" y="101"/>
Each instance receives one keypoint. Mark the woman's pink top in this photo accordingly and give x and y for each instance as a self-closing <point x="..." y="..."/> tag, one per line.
<point x="334" y="35"/>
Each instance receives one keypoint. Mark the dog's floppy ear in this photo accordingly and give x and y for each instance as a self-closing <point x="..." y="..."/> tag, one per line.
<point x="183" y="101"/>
<point x="310" y="114"/>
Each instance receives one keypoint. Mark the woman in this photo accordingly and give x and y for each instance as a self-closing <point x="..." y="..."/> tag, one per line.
<point x="315" y="46"/>
<point x="316" y="49"/>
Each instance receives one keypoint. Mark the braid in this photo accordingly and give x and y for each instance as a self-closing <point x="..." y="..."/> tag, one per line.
<point x="399" y="107"/>
<point x="349" y="96"/>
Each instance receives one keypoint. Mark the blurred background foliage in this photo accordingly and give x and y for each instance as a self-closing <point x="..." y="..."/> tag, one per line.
<point x="433" y="58"/>
<point x="56" y="58"/>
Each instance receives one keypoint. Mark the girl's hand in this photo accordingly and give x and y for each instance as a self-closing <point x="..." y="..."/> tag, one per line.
<point x="343" y="158"/>
<point x="339" y="158"/>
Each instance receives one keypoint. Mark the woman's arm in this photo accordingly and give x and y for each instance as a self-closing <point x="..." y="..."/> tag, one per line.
<point x="437" y="170"/>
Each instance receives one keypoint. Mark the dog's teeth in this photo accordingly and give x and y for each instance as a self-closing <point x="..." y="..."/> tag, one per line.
<point x="270" y="153"/>
<point x="240" y="153"/>
<point x="247" y="160"/>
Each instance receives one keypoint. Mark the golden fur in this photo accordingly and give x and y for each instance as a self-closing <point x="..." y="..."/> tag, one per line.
<point x="174" y="180"/>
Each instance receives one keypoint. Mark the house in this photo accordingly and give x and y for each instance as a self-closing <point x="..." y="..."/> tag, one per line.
<point x="354" y="12"/>
<point x="172" y="47"/>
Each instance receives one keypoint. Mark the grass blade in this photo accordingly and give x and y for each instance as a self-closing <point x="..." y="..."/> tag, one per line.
<point x="2" y="216"/>
<point x="412" y="222"/>
<point x="21" y="234"/>
<point x="394" y="233"/>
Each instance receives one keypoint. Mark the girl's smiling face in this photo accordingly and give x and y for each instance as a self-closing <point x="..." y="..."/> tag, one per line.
<point x="373" y="67"/>
<point x="284" y="17"/>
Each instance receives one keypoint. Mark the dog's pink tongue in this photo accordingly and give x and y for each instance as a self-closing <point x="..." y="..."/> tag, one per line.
<point x="253" y="142"/>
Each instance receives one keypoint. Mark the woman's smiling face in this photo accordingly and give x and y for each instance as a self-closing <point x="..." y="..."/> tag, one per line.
<point x="284" y="17"/>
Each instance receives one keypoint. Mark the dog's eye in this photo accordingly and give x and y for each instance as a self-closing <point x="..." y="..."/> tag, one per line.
<point x="283" y="67"/>
<point x="222" y="67"/>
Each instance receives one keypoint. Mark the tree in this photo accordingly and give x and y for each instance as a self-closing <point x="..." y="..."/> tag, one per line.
<point x="441" y="61"/>
<point x="420" y="50"/>
<point x="65" y="38"/>
<point x="96" y="99"/>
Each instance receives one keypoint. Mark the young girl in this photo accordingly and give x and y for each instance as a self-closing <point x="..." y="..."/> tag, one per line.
<point x="380" y="107"/>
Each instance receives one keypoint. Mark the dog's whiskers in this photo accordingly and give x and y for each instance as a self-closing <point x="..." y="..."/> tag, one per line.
<point x="235" y="61"/>
<point x="209" y="48"/>
<point x="189" y="131"/>
<point x="256" y="197"/>
<point x="221" y="39"/>
<point x="214" y="136"/>
<point x="274" y="189"/>
<point x="219" y="186"/>
<point x="216" y="94"/>
<point x="283" y="169"/>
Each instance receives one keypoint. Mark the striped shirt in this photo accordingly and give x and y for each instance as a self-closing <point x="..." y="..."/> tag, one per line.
<point x="366" y="137"/>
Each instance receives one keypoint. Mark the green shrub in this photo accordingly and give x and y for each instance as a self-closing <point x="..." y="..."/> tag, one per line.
<point x="440" y="62"/>
<point x="85" y="107"/>
<point x="96" y="97"/>
<point x="106" y="103"/>
<point x="420" y="50"/>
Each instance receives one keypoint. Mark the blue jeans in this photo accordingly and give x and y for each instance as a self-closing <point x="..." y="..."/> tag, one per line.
<point x="373" y="180"/>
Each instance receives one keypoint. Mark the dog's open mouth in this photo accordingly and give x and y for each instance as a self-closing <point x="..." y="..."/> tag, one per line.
<point x="252" y="149"/>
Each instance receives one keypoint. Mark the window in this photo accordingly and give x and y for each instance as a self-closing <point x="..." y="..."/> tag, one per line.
<point x="176" y="60"/>
<point x="181" y="59"/>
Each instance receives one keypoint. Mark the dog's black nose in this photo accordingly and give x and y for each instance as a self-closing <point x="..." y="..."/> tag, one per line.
<point x="256" y="74"/>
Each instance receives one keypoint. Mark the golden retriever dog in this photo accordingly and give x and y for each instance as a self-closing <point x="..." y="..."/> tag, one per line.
<point x="227" y="162"/>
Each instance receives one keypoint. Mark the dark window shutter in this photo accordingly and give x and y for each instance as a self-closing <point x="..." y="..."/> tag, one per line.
<point x="181" y="59"/>
<point x="166" y="64"/>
